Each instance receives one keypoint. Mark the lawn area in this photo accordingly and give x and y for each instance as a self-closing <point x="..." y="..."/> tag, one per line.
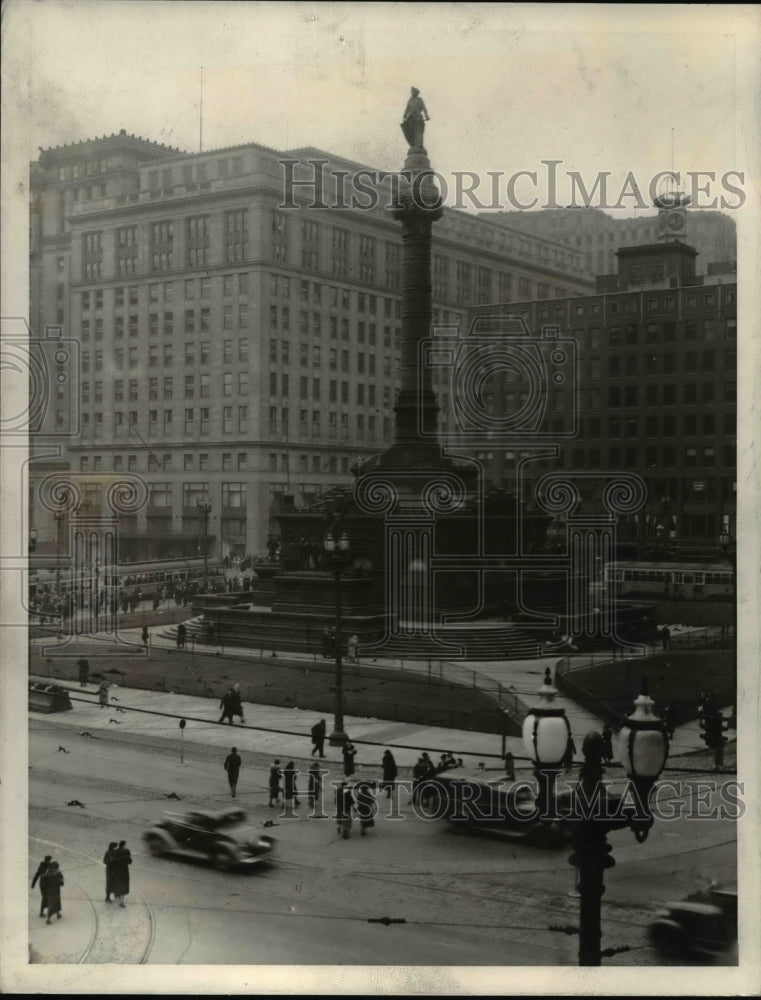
<point x="678" y="676"/>
<point x="373" y="692"/>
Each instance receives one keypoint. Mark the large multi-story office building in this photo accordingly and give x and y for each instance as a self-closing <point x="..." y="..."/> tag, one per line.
<point x="654" y="394"/>
<point x="597" y="236"/>
<point x="235" y="344"/>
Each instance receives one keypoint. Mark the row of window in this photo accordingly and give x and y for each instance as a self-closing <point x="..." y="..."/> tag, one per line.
<point x="232" y="285"/>
<point x="235" y="420"/>
<point x="135" y="358"/>
<point x="194" y="173"/>
<point x="654" y="303"/>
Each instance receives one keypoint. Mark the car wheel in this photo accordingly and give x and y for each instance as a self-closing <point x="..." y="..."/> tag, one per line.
<point x="668" y="940"/>
<point x="222" y="858"/>
<point x="155" y="845"/>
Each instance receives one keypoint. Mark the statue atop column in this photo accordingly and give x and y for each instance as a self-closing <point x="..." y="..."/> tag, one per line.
<point x="415" y="117"/>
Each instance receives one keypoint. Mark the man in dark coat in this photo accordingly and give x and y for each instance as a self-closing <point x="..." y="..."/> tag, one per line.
<point x="182" y="633"/>
<point x="349" y="753"/>
<point x="84" y="671"/>
<point x="274" y="782"/>
<point x="50" y="884"/>
<point x="314" y="788"/>
<point x="327" y="651"/>
<point x="108" y="861"/>
<point x="390" y="771"/>
<point x="318" y="738"/>
<point x="232" y="766"/>
<point x="607" y="744"/>
<point x="122" y="859"/>
<point x="365" y="805"/>
<point x="290" y="792"/>
<point x="227" y="704"/>
<point x="236" y="703"/>
<point x="43" y="867"/>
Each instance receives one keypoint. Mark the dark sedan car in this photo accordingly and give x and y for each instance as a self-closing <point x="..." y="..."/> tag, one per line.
<point x="224" y="838"/>
<point x="485" y="799"/>
<point x="704" y="925"/>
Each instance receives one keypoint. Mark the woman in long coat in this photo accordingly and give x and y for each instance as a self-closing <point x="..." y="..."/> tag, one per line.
<point x="390" y="771"/>
<point x="108" y="861"/>
<point x="121" y="860"/>
<point x="51" y="883"/>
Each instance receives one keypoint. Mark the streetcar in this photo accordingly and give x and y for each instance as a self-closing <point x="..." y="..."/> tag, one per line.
<point x="676" y="581"/>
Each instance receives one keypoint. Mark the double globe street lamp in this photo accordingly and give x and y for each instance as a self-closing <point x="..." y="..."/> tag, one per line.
<point x="594" y="811"/>
<point x="338" y="553"/>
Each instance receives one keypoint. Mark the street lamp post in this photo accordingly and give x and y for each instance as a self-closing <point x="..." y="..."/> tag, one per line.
<point x="338" y="553"/>
<point x="546" y="734"/>
<point x="643" y="749"/>
<point x="204" y="509"/>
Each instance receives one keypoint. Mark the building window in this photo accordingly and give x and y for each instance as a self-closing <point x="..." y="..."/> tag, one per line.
<point x="339" y="257"/>
<point x="236" y="235"/>
<point x="234" y="495"/>
<point x="279" y="237"/>
<point x="310" y="246"/>
<point x="162" y="246"/>
<point x="367" y="259"/>
<point x="92" y="255"/>
<point x="126" y="251"/>
<point x="197" y="241"/>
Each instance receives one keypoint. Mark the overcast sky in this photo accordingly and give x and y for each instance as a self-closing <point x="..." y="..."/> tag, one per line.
<point x="507" y="86"/>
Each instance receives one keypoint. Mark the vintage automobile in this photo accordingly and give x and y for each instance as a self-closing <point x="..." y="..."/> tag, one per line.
<point x="703" y="925"/>
<point x="486" y="800"/>
<point x="224" y="838"/>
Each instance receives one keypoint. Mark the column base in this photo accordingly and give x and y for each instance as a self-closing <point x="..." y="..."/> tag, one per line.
<point x="338" y="737"/>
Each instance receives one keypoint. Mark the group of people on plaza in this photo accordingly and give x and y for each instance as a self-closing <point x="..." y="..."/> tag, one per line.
<point x="350" y="646"/>
<point x="117" y="860"/>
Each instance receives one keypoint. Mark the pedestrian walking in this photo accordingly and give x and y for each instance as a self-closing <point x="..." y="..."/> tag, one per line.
<point x="666" y="637"/>
<point x="121" y="860"/>
<point x="103" y="694"/>
<point x="423" y="770"/>
<point x="144" y="636"/>
<point x="353" y="648"/>
<point x="290" y="792"/>
<point x="607" y="744"/>
<point x="326" y="649"/>
<point x="84" y="671"/>
<point x="226" y="704"/>
<point x="349" y="753"/>
<point x="344" y="806"/>
<point x="390" y="771"/>
<point x="365" y="805"/>
<point x="42" y="868"/>
<point x="50" y="884"/>
<point x="182" y="634"/>
<point x="274" y="782"/>
<point x="237" y="704"/>
<point x="232" y="766"/>
<point x="314" y="786"/>
<point x="509" y="766"/>
<point x="669" y="717"/>
<point x="318" y="738"/>
<point x="108" y="861"/>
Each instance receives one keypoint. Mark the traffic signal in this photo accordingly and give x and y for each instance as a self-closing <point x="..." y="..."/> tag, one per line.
<point x="712" y="729"/>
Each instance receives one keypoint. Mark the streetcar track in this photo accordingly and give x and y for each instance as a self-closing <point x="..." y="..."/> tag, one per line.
<point x="96" y="924"/>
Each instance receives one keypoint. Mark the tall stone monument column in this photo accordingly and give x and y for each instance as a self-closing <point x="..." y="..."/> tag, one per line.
<point x="419" y="206"/>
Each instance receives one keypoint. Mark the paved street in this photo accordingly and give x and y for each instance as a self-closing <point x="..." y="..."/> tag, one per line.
<point x="465" y="900"/>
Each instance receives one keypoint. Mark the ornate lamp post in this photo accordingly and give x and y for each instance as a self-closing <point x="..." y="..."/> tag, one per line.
<point x="546" y="734"/>
<point x="643" y="749"/>
<point x="204" y="509"/>
<point x="338" y="553"/>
